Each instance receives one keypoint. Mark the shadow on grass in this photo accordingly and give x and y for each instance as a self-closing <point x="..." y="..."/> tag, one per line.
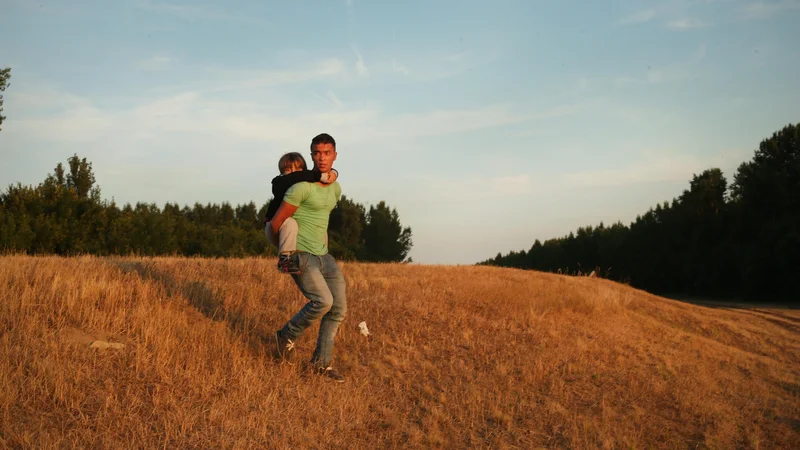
<point x="734" y="304"/>
<point x="784" y="315"/>
<point x="201" y="297"/>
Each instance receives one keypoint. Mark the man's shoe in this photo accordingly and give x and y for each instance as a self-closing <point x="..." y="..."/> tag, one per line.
<point x="286" y="265"/>
<point x="329" y="372"/>
<point x="284" y="348"/>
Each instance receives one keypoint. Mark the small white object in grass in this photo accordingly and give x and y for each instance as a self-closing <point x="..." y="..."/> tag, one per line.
<point x="364" y="330"/>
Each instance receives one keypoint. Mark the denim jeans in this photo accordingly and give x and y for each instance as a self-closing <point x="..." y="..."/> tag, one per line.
<point x="323" y="284"/>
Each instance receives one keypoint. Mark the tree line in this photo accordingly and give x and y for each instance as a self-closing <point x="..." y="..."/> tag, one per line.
<point x="65" y="215"/>
<point x="737" y="241"/>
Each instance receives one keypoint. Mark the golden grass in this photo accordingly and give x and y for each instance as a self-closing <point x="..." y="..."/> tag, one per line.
<point x="459" y="357"/>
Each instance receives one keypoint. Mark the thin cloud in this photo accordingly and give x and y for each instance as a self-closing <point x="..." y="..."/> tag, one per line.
<point x="435" y="68"/>
<point x="399" y="68"/>
<point x="688" y="23"/>
<point x="484" y="187"/>
<point x="637" y="17"/>
<point x="671" y="73"/>
<point x="764" y="10"/>
<point x="511" y="185"/>
<point x="229" y="80"/>
<point x="195" y="13"/>
<point x="673" y="168"/>
<point x="361" y="67"/>
<point x="455" y="57"/>
<point x="701" y="52"/>
<point x="41" y="7"/>
<point x="154" y="63"/>
<point x="333" y="98"/>
<point x="665" y="165"/>
<point x="54" y="115"/>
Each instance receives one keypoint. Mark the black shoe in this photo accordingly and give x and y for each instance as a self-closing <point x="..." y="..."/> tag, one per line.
<point x="284" y="348"/>
<point x="287" y="265"/>
<point x="330" y="373"/>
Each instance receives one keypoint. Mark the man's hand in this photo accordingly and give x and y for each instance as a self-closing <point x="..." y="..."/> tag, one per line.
<point x="330" y="177"/>
<point x="284" y="212"/>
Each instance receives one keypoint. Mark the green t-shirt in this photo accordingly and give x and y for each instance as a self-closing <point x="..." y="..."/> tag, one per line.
<point x="314" y="204"/>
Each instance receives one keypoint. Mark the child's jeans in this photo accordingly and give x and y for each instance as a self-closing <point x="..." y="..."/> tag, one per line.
<point x="287" y="236"/>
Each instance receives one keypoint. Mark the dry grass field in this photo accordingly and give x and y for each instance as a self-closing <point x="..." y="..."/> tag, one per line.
<point x="459" y="357"/>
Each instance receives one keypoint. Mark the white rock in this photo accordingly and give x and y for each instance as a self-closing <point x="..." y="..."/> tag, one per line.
<point x="363" y="327"/>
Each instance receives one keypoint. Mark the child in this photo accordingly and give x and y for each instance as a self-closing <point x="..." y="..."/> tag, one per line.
<point x="293" y="170"/>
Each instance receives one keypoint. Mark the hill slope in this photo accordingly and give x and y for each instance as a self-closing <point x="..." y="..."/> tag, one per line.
<point x="458" y="357"/>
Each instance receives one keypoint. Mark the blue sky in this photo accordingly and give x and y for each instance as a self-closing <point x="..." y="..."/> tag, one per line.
<point x="486" y="124"/>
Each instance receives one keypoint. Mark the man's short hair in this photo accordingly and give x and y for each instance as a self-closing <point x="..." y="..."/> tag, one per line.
<point x="290" y="160"/>
<point x="323" y="138"/>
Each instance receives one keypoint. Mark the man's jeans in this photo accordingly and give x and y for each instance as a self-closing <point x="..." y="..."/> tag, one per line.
<point x="323" y="284"/>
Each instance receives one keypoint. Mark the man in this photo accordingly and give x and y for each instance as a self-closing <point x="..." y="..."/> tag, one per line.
<point x="320" y="280"/>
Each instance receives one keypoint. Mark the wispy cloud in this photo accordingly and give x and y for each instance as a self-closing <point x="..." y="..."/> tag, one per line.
<point x="482" y="187"/>
<point x="70" y="118"/>
<point x="361" y="67"/>
<point x="43" y="7"/>
<point x="399" y="68"/>
<point x="510" y="185"/>
<point x="763" y="10"/>
<point x="700" y="53"/>
<point x="65" y="117"/>
<point x="196" y="13"/>
<point x="669" y="74"/>
<point x="687" y="23"/>
<point x="637" y="17"/>
<point x="663" y="165"/>
<point x="673" y="168"/>
<point x="658" y="75"/>
<point x="430" y="68"/>
<point x="154" y="63"/>
<point x="333" y="98"/>
<point x="371" y="124"/>
<point x="329" y="98"/>
<point x="228" y="80"/>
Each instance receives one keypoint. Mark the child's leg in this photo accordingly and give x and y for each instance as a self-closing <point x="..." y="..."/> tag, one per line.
<point x="269" y="235"/>
<point x="287" y="244"/>
<point x="287" y="238"/>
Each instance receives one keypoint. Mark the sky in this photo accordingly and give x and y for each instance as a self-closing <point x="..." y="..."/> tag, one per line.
<point x="487" y="125"/>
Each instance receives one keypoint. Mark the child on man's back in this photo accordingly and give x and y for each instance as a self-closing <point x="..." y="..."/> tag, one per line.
<point x="293" y="170"/>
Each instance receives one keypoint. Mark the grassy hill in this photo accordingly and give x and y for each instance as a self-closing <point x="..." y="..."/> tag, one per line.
<point x="459" y="357"/>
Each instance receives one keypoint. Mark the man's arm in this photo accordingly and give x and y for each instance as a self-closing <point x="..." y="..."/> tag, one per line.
<point x="330" y="177"/>
<point x="284" y="182"/>
<point x="284" y="212"/>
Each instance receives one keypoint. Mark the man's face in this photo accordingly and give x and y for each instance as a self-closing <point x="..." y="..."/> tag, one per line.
<point x="323" y="155"/>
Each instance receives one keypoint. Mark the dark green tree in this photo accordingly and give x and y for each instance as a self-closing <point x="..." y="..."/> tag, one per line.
<point x="80" y="177"/>
<point x="345" y="229"/>
<point x="766" y="196"/>
<point x="385" y="239"/>
<point x="64" y="215"/>
<point x="5" y="75"/>
<point x="707" y="241"/>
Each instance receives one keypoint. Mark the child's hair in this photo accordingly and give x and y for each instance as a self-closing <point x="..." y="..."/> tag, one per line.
<point x="290" y="160"/>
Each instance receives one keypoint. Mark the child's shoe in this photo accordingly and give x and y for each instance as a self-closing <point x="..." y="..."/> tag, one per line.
<point x="287" y="265"/>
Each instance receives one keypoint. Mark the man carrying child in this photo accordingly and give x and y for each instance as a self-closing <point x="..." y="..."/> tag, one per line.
<point x="293" y="169"/>
<point x="313" y="269"/>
